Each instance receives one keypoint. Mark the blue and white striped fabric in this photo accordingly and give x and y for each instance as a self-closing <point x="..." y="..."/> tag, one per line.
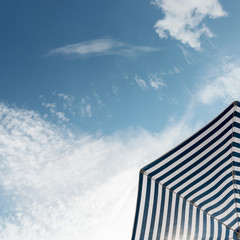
<point x="193" y="191"/>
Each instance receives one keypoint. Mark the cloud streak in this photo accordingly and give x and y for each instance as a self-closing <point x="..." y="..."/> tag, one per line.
<point x="101" y="47"/>
<point x="183" y="20"/>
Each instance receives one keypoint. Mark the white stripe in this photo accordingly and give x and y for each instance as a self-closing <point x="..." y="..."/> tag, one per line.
<point x="179" y="161"/>
<point x="220" y="207"/>
<point x="215" y="228"/>
<point x="141" y="209"/>
<point x="159" y="200"/>
<point x="203" y="181"/>
<point x="149" y="216"/>
<point x="208" y="226"/>
<point x="215" y="182"/>
<point x="237" y="130"/>
<point x="219" y="198"/>
<point x="153" y="168"/>
<point x="198" y="175"/>
<point x="200" y="231"/>
<point x="179" y="218"/>
<point x="231" y="234"/>
<point x="236" y="140"/>
<point x="237" y="109"/>
<point x="236" y="149"/>
<point x="231" y="219"/>
<point x="194" y="214"/>
<point x="223" y="232"/>
<point x="201" y="173"/>
<point x="237" y="177"/>
<point x="179" y="170"/>
<point x="172" y="217"/>
<point x="165" y="214"/>
<point x="186" y="221"/>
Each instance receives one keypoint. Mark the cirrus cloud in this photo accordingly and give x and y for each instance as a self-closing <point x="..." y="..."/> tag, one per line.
<point x="101" y="47"/>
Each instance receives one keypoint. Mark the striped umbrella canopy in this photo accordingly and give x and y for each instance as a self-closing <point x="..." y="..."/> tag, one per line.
<point x="192" y="192"/>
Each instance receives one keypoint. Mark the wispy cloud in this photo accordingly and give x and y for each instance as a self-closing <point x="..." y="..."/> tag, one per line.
<point x="66" y="106"/>
<point x="183" y="19"/>
<point x="140" y="82"/>
<point x="100" y="47"/>
<point x="154" y="81"/>
<point x="65" y="186"/>
<point x="115" y="90"/>
<point x="85" y="108"/>
<point x="53" y="111"/>
<point x="223" y="83"/>
<point x="187" y="55"/>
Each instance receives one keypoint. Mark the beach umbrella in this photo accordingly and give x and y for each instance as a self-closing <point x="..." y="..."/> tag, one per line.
<point x="193" y="191"/>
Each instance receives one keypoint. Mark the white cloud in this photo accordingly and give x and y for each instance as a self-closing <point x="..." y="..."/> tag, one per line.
<point x="156" y="81"/>
<point x="102" y="46"/>
<point x="53" y="110"/>
<point x="183" y="19"/>
<point x="62" y="186"/>
<point x="176" y="70"/>
<point x="85" y="109"/>
<point x="141" y="83"/>
<point x="223" y="84"/>
<point x="68" y="99"/>
<point x="115" y="90"/>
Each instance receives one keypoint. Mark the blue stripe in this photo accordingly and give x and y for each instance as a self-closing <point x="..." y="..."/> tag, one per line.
<point x="192" y="138"/>
<point x="236" y="124"/>
<point x="228" y="216"/>
<point x="168" y="215"/>
<point x="161" y="213"/>
<point x="217" y="195"/>
<point x="197" y="230"/>
<point x="175" y="217"/>
<point x="153" y="211"/>
<point x="231" y="203"/>
<point x="211" y="226"/>
<point x="237" y="114"/>
<point x="138" y="204"/>
<point x="237" y="145"/>
<point x="197" y="163"/>
<point x="190" y="221"/>
<point x="146" y="206"/>
<point x="236" y="103"/>
<point x="212" y="188"/>
<point x="183" y="218"/>
<point x="206" y="175"/>
<point x="219" y="231"/>
<point x="204" y="230"/>
<point x="195" y="154"/>
<point x="204" y="194"/>
<point x="227" y="233"/>
<point x="235" y="134"/>
<point x="231" y="224"/>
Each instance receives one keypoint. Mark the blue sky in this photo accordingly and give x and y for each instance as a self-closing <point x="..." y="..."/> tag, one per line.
<point x="90" y="91"/>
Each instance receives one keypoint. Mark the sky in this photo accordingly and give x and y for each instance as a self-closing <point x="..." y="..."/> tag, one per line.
<point x="90" y="92"/>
